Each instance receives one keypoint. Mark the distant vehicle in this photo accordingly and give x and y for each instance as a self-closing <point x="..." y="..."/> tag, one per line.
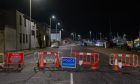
<point x="55" y="45"/>
<point x="99" y="43"/>
<point x="83" y="43"/>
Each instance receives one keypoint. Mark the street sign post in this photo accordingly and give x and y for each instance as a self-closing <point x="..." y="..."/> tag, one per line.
<point x="68" y="62"/>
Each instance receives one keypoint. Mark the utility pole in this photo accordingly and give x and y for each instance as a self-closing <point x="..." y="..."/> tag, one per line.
<point x="100" y="35"/>
<point x="30" y="32"/>
<point x="90" y="34"/>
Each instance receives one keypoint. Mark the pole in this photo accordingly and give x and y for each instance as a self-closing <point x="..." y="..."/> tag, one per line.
<point x="56" y="31"/>
<point x="50" y="23"/>
<point x="50" y="30"/>
<point x="75" y="36"/>
<point x="60" y="35"/>
<point x="90" y="35"/>
<point x="30" y="26"/>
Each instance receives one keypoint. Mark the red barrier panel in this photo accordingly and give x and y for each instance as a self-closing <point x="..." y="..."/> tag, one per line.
<point x="123" y="60"/>
<point x="86" y="58"/>
<point x="15" y="58"/>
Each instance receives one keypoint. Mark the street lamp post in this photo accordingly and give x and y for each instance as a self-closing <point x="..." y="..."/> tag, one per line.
<point x="79" y="37"/>
<point x="90" y="34"/>
<point x="100" y="35"/>
<point x="52" y="17"/>
<point x="72" y="34"/>
<point x="58" y="24"/>
<point x="30" y="24"/>
<point x="61" y="33"/>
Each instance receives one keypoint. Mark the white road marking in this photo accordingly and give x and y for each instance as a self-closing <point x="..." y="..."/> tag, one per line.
<point x="71" y="78"/>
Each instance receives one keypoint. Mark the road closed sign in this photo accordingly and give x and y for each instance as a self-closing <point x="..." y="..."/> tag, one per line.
<point x="15" y="58"/>
<point x="68" y="62"/>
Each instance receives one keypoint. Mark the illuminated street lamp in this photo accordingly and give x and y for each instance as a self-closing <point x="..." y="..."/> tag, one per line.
<point x="52" y="17"/>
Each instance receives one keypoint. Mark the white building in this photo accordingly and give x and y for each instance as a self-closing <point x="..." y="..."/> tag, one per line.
<point x="15" y="31"/>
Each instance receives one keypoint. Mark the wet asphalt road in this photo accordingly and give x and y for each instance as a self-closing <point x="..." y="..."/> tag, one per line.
<point x="102" y="76"/>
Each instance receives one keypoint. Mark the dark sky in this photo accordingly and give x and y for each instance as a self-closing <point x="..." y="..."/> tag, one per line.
<point x="83" y="15"/>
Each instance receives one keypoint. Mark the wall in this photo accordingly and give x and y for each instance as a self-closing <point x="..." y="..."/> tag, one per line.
<point x="1" y="40"/>
<point x="10" y="38"/>
<point x="25" y="30"/>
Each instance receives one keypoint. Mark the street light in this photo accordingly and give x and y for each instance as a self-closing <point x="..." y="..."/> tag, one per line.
<point x="100" y="35"/>
<point x="58" y="24"/>
<point x="79" y="37"/>
<point x="52" y="17"/>
<point x="90" y="34"/>
<point x="61" y="33"/>
<point x="30" y="25"/>
<point x="72" y="34"/>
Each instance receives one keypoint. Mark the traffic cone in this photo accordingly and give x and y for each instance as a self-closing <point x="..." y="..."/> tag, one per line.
<point x="115" y="67"/>
<point x="41" y="62"/>
<point x="95" y="65"/>
<point x="57" y="62"/>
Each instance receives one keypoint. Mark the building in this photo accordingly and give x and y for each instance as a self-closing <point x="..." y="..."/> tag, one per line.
<point x="55" y="36"/>
<point x="15" y="31"/>
<point x="43" y="35"/>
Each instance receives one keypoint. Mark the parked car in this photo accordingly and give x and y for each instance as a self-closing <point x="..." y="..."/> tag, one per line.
<point x="55" y="45"/>
<point x="99" y="43"/>
<point x="83" y="43"/>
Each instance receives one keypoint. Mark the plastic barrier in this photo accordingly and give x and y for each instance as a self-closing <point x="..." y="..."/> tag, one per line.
<point x="45" y="59"/>
<point x="1" y="60"/>
<point x="12" y="60"/>
<point x="123" y="60"/>
<point x="87" y="59"/>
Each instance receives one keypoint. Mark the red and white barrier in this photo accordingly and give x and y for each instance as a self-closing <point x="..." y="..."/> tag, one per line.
<point x="44" y="58"/>
<point x="87" y="58"/>
<point x="124" y="60"/>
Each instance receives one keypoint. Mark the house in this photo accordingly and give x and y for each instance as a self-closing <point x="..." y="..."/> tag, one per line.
<point x="16" y="30"/>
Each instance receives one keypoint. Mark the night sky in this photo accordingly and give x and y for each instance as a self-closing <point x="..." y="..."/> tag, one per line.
<point x="80" y="16"/>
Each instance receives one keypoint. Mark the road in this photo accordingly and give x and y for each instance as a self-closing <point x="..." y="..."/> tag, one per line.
<point x="102" y="76"/>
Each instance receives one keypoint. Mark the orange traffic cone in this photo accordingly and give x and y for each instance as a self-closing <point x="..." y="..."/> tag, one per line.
<point x="41" y="62"/>
<point x="95" y="65"/>
<point x="115" y="67"/>
<point x="57" y="62"/>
